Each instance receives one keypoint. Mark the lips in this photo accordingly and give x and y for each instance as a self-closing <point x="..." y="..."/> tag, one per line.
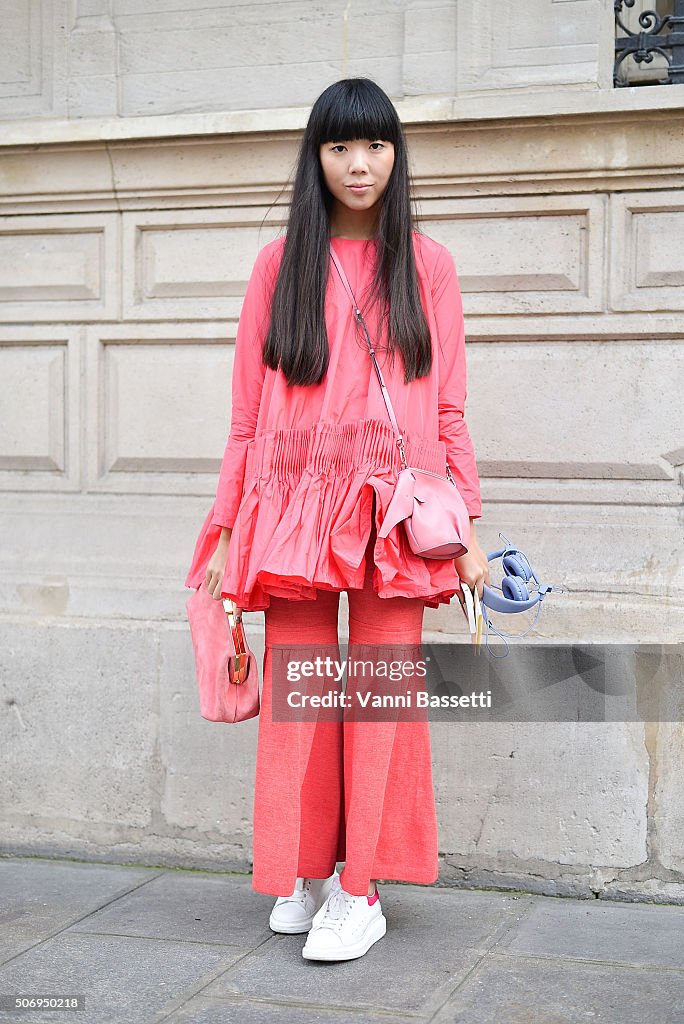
<point x="358" y="188"/>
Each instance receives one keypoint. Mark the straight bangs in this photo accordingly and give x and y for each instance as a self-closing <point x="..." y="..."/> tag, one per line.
<point x="360" y="114"/>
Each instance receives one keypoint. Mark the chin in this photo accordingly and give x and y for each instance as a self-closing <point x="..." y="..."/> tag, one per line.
<point x="363" y="202"/>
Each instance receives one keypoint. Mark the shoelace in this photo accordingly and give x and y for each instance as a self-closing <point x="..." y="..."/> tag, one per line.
<point x="301" y="892"/>
<point x="338" y="905"/>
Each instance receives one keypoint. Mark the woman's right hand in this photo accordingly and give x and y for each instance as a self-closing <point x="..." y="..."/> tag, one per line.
<point x="217" y="564"/>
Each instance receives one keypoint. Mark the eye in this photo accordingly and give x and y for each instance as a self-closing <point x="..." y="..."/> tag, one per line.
<point x="340" y="145"/>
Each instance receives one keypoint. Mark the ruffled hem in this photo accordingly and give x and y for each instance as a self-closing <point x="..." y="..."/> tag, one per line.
<point x="304" y="519"/>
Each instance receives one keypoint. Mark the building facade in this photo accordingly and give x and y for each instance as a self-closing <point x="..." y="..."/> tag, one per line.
<point x="146" y="152"/>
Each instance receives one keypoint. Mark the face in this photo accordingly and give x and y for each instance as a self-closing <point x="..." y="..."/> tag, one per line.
<point x="361" y="162"/>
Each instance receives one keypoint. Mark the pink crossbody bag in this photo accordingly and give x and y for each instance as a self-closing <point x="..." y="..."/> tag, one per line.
<point x="429" y="506"/>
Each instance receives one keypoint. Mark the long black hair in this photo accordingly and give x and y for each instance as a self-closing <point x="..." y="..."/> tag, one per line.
<point x="297" y="340"/>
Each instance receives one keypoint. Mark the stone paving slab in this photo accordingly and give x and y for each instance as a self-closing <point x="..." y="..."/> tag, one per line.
<point x="637" y="934"/>
<point x="529" y="990"/>
<point x="124" y="979"/>
<point x="39" y="897"/>
<point x="209" y="1011"/>
<point x="192" y="906"/>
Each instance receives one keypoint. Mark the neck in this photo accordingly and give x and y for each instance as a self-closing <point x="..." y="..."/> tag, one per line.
<point x="346" y="223"/>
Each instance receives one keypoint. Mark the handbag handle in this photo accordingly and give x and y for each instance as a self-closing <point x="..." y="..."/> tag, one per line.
<point x="385" y="394"/>
<point x="237" y="631"/>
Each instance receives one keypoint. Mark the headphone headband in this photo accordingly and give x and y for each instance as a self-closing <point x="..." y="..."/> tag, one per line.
<point x="500" y="603"/>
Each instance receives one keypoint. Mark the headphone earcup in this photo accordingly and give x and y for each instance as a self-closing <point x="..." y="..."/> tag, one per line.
<point x="515" y="588"/>
<point x="515" y="564"/>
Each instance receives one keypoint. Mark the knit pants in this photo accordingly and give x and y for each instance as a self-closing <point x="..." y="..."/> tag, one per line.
<point x="331" y="791"/>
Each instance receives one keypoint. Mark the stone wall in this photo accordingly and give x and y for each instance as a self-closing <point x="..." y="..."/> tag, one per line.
<point x="130" y="58"/>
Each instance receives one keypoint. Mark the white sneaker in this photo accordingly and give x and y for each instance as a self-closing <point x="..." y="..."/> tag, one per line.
<point x="295" y="913"/>
<point x="345" y="927"/>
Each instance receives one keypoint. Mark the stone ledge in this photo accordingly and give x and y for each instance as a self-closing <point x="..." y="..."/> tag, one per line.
<point x="511" y="105"/>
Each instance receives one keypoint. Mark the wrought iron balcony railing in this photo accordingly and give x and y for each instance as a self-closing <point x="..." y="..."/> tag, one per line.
<point x="653" y="54"/>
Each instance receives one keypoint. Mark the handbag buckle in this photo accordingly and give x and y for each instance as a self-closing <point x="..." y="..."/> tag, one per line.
<point x="402" y="453"/>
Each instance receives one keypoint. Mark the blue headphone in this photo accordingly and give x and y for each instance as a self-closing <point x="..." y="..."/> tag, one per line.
<point x="515" y="594"/>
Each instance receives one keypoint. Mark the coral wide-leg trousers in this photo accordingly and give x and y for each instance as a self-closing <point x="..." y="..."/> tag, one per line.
<point x="331" y="791"/>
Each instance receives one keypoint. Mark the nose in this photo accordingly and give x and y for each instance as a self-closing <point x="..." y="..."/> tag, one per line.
<point x="357" y="160"/>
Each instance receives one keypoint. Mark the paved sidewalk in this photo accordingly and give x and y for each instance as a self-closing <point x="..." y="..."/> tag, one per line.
<point x="152" y="945"/>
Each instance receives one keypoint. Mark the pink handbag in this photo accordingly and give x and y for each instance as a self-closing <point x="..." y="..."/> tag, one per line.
<point x="227" y="670"/>
<point x="430" y="507"/>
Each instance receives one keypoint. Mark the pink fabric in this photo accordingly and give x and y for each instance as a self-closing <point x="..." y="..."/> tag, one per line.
<point x="328" y="791"/>
<point x="301" y="464"/>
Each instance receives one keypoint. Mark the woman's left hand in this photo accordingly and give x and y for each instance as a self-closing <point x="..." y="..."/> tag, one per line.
<point x="473" y="567"/>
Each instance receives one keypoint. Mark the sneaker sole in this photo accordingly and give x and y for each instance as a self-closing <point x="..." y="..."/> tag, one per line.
<point x="292" y="929"/>
<point x="375" y="931"/>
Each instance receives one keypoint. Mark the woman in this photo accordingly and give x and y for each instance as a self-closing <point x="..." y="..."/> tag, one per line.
<point x="308" y="472"/>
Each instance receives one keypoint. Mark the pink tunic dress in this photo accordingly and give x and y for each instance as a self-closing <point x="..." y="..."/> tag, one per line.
<point x="301" y="464"/>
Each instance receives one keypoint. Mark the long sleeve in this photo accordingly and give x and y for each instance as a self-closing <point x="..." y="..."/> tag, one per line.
<point x="247" y="384"/>
<point x="453" y="430"/>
